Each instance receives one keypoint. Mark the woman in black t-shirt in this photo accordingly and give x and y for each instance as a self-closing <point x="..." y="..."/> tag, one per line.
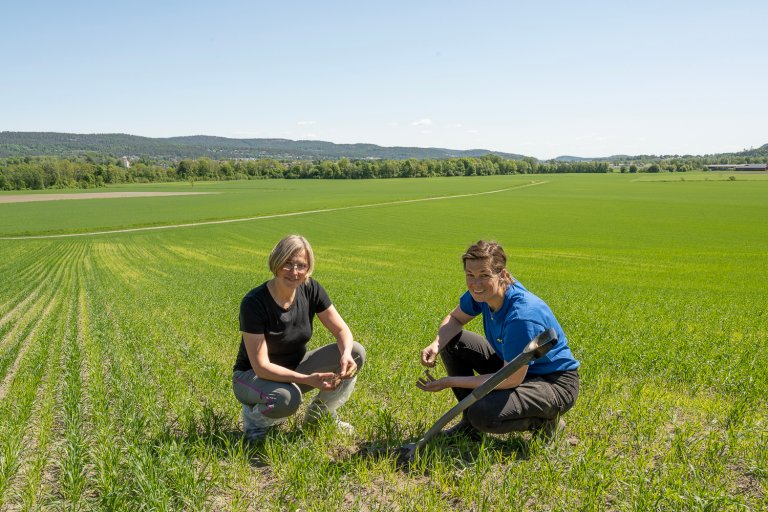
<point x="273" y="368"/>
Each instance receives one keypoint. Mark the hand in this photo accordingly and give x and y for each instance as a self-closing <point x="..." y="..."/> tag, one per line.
<point x="429" y="354"/>
<point x="348" y="366"/>
<point x="325" y="381"/>
<point x="429" y="383"/>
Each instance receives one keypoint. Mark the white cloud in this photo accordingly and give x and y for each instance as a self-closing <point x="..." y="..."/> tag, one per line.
<point x="306" y="123"/>
<point x="309" y="136"/>
<point x="422" y="122"/>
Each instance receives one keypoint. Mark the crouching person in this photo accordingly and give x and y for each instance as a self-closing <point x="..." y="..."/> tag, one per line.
<point x="273" y="368"/>
<point x="534" y="397"/>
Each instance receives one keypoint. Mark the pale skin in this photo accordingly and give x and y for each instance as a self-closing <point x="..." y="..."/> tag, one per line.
<point x="283" y="287"/>
<point x="484" y="285"/>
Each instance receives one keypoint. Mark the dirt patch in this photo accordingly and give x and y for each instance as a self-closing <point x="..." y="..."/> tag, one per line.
<point x="28" y="198"/>
<point x="747" y="483"/>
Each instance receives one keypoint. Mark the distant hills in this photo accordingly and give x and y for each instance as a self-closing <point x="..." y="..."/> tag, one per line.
<point x="760" y="152"/>
<point x="15" y="144"/>
<point x="20" y="144"/>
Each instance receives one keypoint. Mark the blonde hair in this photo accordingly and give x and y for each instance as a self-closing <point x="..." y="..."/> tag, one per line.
<point x="493" y="254"/>
<point x="286" y="248"/>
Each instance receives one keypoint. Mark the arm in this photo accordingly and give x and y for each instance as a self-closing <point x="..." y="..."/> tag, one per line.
<point x="256" y="347"/>
<point x="449" y="328"/>
<point x="473" y="382"/>
<point x="336" y="325"/>
<point x="513" y="332"/>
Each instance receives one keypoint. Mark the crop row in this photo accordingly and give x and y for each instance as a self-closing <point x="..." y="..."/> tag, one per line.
<point x="116" y="354"/>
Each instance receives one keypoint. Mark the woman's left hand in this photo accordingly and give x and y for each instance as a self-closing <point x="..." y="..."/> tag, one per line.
<point x="429" y="383"/>
<point x="348" y="366"/>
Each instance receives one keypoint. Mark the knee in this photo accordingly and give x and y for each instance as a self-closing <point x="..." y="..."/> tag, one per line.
<point x="454" y="348"/>
<point x="283" y="402"/>
<point x="487" y="415"/>
<point x="479" y="419"/>
<point x="358" y="354"/>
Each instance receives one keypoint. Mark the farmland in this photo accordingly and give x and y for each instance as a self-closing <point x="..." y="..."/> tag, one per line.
<point x="116" y="349"/>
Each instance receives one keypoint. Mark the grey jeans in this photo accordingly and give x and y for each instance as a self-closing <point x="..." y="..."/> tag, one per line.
<point x="282" y="399"/>
<point x="538" y="399"/>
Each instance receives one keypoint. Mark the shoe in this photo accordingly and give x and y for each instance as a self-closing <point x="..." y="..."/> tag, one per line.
<point x="256" y="426"/>
<point x="256" y="434"/>
<point x="462" y="428"/>
<point x="315" y="418"/>
<point x="550" y="428"/>
<point x="344" y="427"/>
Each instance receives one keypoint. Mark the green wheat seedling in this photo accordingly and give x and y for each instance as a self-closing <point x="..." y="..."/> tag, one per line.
<point x="116" y="350"/>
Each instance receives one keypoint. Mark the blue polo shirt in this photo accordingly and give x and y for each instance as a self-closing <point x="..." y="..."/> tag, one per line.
<point x="522" y="317"/>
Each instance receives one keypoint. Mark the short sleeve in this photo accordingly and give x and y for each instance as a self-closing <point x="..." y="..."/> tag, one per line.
<point x="468" y="305"/>
<point x="517" y="334"/>
<point x="319" y="297"/>
<point x="253" y="318"/>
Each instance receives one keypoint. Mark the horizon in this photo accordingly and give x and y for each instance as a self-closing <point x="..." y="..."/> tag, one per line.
<point x="388" y="147"/>
<point x="590" y="80"/>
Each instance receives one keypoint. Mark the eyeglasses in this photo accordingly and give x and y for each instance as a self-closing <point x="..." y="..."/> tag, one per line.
<point x="300" y="268"/>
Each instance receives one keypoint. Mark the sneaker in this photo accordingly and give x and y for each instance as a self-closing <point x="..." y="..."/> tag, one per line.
<point x="550" y="428"/>
<point x="256" y="434"/>
<point x="344" y="427"/>
<point x="462" y="428"/>
<point x="314" y="420"/>
<point x="256" y="425"/>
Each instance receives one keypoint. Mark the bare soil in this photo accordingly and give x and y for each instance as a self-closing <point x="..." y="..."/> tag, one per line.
<point x="27" y="198"/>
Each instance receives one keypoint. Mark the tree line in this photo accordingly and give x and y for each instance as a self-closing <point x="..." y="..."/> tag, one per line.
<point x="39" y="173"/>
<point x="93" y="170"/>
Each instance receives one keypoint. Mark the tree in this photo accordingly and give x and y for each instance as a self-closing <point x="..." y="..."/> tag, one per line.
<point x="185" y="169"/>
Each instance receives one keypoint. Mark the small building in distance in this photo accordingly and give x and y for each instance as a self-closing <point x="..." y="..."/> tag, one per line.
<point x="738" y="167"/>
<point x="126" y="162"/>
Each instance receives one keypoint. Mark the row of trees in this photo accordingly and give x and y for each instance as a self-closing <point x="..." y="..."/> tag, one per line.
<point x="38" y="173"/>
<point x="31" y="173"/>
<point x="92" y="170"/>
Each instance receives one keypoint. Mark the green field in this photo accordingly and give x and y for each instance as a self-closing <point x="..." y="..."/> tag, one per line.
<point x="116" y="349"/>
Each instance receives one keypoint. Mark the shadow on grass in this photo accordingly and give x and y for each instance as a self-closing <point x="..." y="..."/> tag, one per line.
<point x="459" y="449"/>
<point x="211" y="431"/>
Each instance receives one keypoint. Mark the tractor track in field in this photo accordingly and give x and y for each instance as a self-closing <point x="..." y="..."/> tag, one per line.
<point x="273" y="216"/>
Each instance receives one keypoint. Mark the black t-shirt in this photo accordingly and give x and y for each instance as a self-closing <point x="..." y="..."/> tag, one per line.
<point x="286" y="331"/>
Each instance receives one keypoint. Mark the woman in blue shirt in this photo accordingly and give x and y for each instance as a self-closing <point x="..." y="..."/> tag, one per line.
<point x="535" y="396"/>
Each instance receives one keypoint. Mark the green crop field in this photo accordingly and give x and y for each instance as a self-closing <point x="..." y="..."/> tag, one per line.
<point x="116" y="349"/>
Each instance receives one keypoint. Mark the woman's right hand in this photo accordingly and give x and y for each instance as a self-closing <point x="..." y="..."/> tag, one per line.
<point x="429" y="354"/>
<point x="324" y="381"/>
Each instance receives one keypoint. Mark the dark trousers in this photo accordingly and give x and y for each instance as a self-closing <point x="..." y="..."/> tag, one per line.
<point x="527" y="407"/>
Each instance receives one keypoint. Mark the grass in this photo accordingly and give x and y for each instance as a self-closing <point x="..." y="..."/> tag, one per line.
<point x="116" y="350"/>
<point x="224" y="200"/>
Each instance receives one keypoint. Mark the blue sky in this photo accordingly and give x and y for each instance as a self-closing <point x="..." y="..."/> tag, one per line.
<point x="537" y="78"/>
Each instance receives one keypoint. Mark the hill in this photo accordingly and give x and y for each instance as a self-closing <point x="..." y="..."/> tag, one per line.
<point x="16" y="144"/>
<point x="759" y="152"/>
